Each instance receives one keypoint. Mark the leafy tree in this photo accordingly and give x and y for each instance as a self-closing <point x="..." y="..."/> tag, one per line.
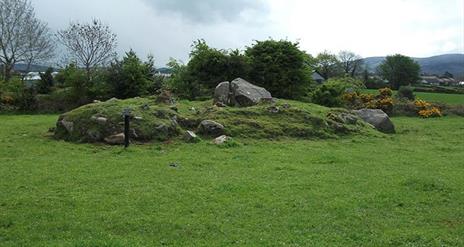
<point x="399" y="70"/>
<point x="75" y="79"/>
<point x="238" y="65"/>
<point x="328" y="65"/>
<point x="130" y="77"/>
<point x="24" y="38"/>
<point x="46" y="82"/>
<point x="181" y="83"/>
<point x="205" y="70"/>
<point x="280" y="67"/>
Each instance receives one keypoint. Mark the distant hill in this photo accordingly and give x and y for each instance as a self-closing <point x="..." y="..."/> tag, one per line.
<point x="33" y="68"/>
<point x="453" y="63"/>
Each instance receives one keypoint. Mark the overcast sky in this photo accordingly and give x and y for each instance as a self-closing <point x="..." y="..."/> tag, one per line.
<point x="166" y="28"/>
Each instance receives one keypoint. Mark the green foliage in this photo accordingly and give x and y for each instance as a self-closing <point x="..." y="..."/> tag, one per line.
<point x="206" y="69"/>
<point x="280" y="67"/>
<point x="76" y="79"/>
<point x="328" y="65"/>
<point x="406" y="92"/>
<point x="330" y="93"/>
<point x="46" y="82"/>
<point x="181" y="82"/>
<point x="207" y="66"/>
<point x="399" y="70"/>
<point x="24" y="97"/>
<point x="130" y="77"/>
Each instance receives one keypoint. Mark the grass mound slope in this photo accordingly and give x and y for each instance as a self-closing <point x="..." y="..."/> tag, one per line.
<point x="161" y="122"/>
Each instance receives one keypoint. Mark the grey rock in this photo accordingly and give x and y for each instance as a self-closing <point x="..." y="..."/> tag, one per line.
<point x="273" y="109"/>
<point x="377" y="118"/>
<point x="191" y="137"/>
<point x="211" y="128"/>
<point x="117" y="139"/>
<point x="222" y="93"/>
<point x="69" y="126"/>
<point x="101" y="120"/>
<point x="221" y="140"/>
<point x="247" y="94"/>
<point x="163" y="128"/>
<point x="240" y="93"/>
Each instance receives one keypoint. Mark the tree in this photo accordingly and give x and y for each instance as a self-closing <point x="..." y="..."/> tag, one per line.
<point x="351" y="63"/>
<point x="399" y="70"/>
<point x="24" y="38"/>
<point x="280" y="67"/>
<point x="90" y="44"/>
<point x="130" y="77"/>
<point x="327" y="64"/>
<point x="75" y="79"/>
<point x="46" y="82"/>
<point x="206" y="69"/>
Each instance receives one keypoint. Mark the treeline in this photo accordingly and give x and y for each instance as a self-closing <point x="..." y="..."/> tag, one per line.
<point x="93" y="70"/>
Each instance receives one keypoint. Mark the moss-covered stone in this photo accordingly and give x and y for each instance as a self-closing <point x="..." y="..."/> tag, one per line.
<point x="158" y="121"/>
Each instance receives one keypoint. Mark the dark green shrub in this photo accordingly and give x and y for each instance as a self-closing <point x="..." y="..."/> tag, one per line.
<point x="46" y="82"/>
<point x="130" y="77"/>
<point x="205" y="70"/>
<point x="406" y="92"/>
<point x="329" y="94"/>
<point x="280" y="67"/>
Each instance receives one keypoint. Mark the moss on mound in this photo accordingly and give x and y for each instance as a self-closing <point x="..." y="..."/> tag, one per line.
<point x="155" y="121"/>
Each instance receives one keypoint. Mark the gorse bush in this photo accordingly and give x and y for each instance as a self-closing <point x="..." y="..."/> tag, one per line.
<point x="383" y="100"/>
<point x="426" y="109"/>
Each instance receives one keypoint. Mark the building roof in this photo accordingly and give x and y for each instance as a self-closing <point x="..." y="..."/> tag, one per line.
<point x="317" y="77"/>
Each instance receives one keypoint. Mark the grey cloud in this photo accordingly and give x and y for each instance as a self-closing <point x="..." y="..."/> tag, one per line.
<point x="209" y="11"/>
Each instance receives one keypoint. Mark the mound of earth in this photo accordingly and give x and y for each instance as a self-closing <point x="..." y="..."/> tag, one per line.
<point x="161" y="121"/>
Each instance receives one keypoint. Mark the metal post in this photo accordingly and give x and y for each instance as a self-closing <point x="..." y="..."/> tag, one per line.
<point x="126" y="130"/>
<point x="126" y="114"/>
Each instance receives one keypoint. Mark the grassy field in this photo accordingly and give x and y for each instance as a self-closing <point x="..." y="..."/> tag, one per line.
<point x="399" y="190"/>
<point x="453" y="99"/>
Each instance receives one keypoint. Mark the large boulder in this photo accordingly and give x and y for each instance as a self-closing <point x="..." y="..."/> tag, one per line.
<point x="377" y="118"/>
<point x="240" y="93"/>
<point x="211" y="128"/>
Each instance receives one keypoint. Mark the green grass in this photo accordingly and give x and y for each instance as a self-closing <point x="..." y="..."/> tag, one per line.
<point x="453" y="99"/>
<point x="399" y="190"/>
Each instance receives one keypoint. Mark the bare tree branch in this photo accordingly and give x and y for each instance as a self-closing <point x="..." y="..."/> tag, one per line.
<point x="91" y="44"/>
<point x="23" y="37"/>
